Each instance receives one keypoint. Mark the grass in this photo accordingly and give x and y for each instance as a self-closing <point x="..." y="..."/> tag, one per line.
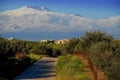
<point x="34" y="57"/>
<point x="71" y="68"/>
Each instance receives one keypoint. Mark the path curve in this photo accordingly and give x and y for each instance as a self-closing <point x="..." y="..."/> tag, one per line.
<point x="44" y="69"/>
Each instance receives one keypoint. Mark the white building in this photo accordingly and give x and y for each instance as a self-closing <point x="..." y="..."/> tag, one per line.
<point x="11" y="38"/>
<point x="62" y="41"/>
<point x="45" y="40"/>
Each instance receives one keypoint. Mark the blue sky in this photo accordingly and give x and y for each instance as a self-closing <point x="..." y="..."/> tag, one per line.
<point x="87" y="8"/>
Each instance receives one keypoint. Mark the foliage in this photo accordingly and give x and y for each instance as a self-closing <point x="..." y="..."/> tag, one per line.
<point x="104" y="52"/>
<point x="39" y="49"/>
<point x="9" y="49"/>
<point x="102" y="49"/>
<point x="34" y="57"/>
<point x="46" y="49"/>
<point x="70" y="67"/>
<point x="93" y="37"/>
<point x="69" y="47"/>
<point x="14" y="57"/>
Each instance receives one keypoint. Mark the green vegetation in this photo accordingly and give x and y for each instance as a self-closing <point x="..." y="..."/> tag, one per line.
<point x="46" y="49"/>
<point x="104" y="52"/>
<point x="69" y="47"/>
<point x="17" y="55"/>
<point x="14" y="58"/>
<point x="101" y="49"/>
<point x="34" y="57"/>
<point x="71" y="68"/>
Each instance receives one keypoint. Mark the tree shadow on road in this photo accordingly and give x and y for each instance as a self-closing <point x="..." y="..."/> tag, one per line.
<point x="41" y="69"/>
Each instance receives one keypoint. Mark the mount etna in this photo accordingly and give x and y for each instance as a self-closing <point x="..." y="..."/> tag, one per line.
<point x="35" y="23"/>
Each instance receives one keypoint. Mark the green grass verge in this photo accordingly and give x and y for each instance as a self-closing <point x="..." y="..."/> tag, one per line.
<point x="71" y="68"/>
<point x="34" y="57"/>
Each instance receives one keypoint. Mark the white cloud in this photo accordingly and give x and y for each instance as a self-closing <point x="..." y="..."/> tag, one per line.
<point x="36" y="20"/>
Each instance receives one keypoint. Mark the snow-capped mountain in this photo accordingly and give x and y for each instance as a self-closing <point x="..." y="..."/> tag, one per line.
<point x="27" y="10"/>
<point x="38" y="8"/>
<point x="37" y="20"/>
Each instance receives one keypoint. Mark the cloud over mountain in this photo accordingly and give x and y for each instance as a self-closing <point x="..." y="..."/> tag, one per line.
<point x="35" y="19"/>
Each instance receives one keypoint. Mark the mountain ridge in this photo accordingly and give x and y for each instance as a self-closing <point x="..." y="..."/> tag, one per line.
<point x="39" y="20"/>
<point x="38" y="8"/>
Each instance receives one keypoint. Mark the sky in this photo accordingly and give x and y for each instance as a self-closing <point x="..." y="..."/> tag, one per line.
<point x="88" y="8"/>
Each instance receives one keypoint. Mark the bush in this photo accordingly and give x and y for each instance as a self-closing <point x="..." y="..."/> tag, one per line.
<point x="69" y="47"/>
<point x="9" y="49"/>
<point x="93" y="37"/>
<point x="104" y="52"/>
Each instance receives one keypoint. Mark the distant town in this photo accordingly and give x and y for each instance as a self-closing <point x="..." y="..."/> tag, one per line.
<point x="62" y="41"/>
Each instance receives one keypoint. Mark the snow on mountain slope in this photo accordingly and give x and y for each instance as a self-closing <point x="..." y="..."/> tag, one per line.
<point x="27" y="10"/>
<point x="35" y="19"/>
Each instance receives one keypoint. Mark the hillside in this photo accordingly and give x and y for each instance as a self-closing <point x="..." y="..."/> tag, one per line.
<point x="31" y="21"/>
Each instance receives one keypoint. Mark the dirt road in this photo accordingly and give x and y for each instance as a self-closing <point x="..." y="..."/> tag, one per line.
<point x="44" y="69"/>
